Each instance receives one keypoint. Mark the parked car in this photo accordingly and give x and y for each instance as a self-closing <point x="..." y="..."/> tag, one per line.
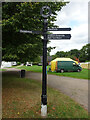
<point x="14" y="63"/>
<point x="29" y="64"/>
<point x="39" y="64"/>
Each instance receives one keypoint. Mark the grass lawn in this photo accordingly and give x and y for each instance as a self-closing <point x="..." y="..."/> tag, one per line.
<point x="22" y="99"/>
<point x="84" y="74"/>
<point x="2" y="70"/>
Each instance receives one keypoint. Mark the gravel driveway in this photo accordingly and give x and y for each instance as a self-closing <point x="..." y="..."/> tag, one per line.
<point x="73" y="87"/>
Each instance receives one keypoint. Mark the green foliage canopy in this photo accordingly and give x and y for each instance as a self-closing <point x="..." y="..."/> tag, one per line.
<point x="83" y="54"/>
<point x="26" y="16"/>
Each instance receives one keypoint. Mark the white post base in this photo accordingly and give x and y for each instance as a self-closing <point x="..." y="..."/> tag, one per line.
<point x="43" y="110"/>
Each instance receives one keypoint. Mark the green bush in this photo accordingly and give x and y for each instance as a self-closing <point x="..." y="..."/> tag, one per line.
<point x="35" y="63"/>
<point x="18" y="63"/>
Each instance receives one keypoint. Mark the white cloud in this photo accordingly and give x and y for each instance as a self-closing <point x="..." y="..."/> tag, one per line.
<point x="74" y="15"/>
<point x="80" y="33"/>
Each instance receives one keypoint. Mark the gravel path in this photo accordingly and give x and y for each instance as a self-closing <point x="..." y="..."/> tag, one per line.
<point x="11" y="69"/>
<point x="73" y="87"/>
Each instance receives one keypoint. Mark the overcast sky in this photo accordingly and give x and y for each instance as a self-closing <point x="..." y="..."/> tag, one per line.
<point x="74" y="15"/>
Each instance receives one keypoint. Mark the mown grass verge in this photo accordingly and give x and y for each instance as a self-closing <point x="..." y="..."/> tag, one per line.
<point x="84" y="74"/>
<point x="22" y="99"/>
<point x="2" y="70"/>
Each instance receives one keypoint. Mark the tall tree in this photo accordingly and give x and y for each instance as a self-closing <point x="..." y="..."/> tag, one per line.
<point x="25" y="15"/>
<point x="83" y="54"/>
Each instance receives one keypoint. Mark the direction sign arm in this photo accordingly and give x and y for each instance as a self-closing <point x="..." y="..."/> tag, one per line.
<point x="32" y="32"/>
<point x="59" y="36"/>
<point x="59" y="29"/>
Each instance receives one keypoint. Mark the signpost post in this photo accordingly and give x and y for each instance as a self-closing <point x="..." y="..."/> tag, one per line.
<point x="44" y="75"/>
<point x="46" y="37"/>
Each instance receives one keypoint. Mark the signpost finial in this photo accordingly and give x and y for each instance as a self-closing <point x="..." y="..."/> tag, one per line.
<point x="47" y="14"/>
